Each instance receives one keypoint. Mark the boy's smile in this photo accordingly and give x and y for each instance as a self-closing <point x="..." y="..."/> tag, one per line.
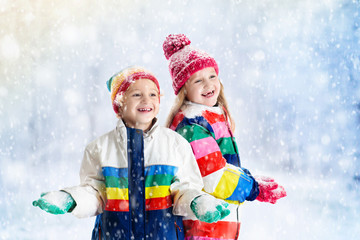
<point x="140" y="104"/>
<point x="145" y="109"/>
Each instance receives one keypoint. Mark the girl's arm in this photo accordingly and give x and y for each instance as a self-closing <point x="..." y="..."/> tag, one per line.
<point x="220" y="179"/>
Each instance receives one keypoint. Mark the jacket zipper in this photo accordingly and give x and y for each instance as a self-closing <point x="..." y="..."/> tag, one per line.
<point x="238" y="222"/>
<point x="177" y="228"/>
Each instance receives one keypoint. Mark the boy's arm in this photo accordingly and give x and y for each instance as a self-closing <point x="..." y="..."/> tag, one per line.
<point x="84" y="200"/>
<point x="90" y="194"/>
<point x="187" y="184"/>
<point x="221" y="180"/>
<point x="186" y="191"/>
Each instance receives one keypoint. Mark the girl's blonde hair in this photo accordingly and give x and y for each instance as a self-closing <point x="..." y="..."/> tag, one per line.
<point x="181" y="98"/>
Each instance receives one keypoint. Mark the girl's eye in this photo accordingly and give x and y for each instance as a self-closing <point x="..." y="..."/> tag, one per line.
<point x="153" y="95"/>
<point x="136" y="95"/>
<point x="197" y="81"/>
<point x="213" y="76"/>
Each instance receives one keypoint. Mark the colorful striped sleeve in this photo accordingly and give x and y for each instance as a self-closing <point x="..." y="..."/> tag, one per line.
<point x="221" y="180"/>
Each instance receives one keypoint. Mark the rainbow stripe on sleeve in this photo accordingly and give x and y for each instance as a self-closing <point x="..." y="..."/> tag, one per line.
<point x="210" y="139"/>
<point x="158" y="179"/>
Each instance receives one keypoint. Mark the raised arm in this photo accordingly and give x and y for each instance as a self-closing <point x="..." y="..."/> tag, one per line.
<point x="84" y="200"/>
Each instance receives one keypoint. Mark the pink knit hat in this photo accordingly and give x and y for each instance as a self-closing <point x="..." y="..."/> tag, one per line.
<point x="184" y="60"/>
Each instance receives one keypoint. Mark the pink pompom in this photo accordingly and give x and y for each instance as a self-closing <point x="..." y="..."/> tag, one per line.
<point x="173" y="43"/>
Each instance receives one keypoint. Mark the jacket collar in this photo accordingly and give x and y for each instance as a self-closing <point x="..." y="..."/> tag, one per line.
<point x="192" y="109"/>
<point x="121" y="130"/>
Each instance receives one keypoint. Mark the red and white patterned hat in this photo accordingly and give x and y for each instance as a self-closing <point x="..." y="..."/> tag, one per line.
<point x="185" y="60"/>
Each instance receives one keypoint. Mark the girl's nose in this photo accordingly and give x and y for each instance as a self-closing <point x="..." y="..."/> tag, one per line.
<point x="207" y="84"/>
<point x="145" y="99"/>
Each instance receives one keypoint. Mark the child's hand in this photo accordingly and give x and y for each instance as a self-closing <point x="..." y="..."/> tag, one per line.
<point x="57" y="202"/>
<point x="209" y="209"/>
<point x="269" y="190"/>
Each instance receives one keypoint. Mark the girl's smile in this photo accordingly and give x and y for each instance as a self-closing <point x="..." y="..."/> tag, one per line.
<point x="209" y="94"/>
<point x="203" y="87"/>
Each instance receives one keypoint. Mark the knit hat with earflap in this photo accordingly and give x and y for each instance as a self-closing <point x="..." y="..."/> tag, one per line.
<point x="121" y="81"/>
<point x="185" y="60"/>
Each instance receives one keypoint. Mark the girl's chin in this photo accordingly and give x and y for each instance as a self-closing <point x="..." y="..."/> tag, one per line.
<point x="209" y="104"/>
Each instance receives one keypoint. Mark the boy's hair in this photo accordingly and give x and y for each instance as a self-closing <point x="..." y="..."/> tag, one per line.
<point x="181" y="98"/>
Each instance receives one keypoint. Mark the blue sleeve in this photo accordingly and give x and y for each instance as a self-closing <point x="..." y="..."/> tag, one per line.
<point x="255" y="188"/>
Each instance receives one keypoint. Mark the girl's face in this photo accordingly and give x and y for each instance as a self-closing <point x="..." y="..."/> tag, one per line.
<point x="203" y="87"/>
<point x="140" y="104"/>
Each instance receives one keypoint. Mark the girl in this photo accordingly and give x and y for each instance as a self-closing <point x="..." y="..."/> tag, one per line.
<point x="201" y="115"/>
<point x="129" y="178"/>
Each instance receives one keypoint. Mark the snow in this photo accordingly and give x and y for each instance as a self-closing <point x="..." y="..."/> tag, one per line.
<point x="291" y="73"/>
<point x="9" y="48"/>
<point x="315" y="208"/>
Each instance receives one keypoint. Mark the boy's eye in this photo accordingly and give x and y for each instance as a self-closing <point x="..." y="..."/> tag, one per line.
<point x="153" y="94"/>
<point x="197" y="81"/>
<point x="136" y="95"/>
<point x="212" y="76"/>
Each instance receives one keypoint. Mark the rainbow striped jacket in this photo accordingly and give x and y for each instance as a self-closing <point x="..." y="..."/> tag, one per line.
<point x="215" y="149"/>
<point x="136" y="183"/>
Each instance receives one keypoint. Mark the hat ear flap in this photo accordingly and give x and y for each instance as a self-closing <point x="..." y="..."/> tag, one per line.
<point x="108" y="82"/>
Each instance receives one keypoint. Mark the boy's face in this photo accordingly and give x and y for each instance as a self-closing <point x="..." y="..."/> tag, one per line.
<point x="203" y="87"/>
<point x="140" y="104"/>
